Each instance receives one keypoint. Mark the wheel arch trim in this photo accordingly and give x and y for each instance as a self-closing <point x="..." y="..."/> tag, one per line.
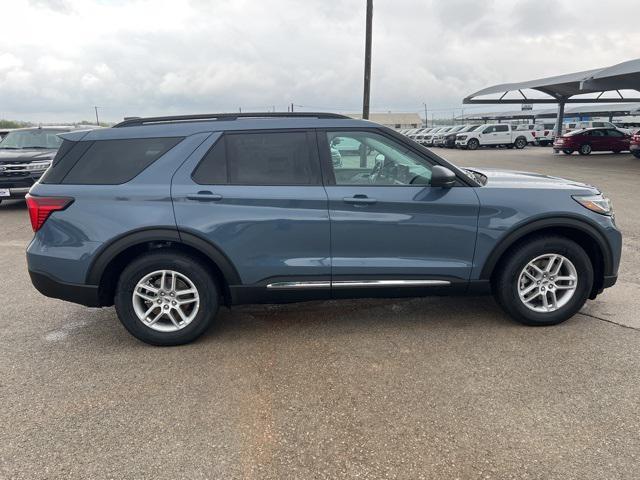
<point x="521" y="231"/>
<point x="118" y="245"/>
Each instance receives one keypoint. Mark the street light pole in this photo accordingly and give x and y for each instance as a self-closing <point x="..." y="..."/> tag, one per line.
<point x="97" y="120"/>
<point x="426" y="118"/>
<point x="367" y="62"/>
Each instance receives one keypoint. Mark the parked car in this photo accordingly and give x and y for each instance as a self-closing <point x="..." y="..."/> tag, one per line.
<point x="25" y="154"/>
<point x="634" y="145"/>
<point x="499" y="134"/>
<point x="592" y="140"/>
<point x="545" y="133"/>
<point x="438" y="138"/>
<point x="422" y="136"/>
<point x="170" y="217"/>
<point x="427" y="141"/>
<point x="450" y="137"/>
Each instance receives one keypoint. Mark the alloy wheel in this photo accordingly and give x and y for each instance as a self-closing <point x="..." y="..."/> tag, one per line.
<point x="166" y="301"/>
<point x="547" y="283"/>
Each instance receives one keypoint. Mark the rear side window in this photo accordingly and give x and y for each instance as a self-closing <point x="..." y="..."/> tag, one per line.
<point x="262" y="158"/>
<point x="112" y="162"/>
<point x="501" y="128"/>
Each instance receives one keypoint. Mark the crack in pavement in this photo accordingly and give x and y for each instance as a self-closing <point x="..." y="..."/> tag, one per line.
<point x="609" y="321"/>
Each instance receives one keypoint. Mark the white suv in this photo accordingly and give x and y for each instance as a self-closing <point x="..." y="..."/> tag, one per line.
<point x="494" y="135"/>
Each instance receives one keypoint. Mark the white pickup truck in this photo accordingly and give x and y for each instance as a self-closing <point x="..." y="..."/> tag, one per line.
<point x="494" y="135"/>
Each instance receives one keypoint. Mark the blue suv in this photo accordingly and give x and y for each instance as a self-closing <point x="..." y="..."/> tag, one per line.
<point x="170" y="217"/>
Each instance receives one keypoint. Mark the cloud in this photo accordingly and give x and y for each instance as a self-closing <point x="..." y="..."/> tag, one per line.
<point x="144" y="57"/>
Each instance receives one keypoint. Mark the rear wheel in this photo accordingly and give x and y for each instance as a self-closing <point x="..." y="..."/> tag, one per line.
<point x="544" y="281"/>
<point x="473" y="144"/>
<point x="585" y="149"/>
<point x="166" y="298"/>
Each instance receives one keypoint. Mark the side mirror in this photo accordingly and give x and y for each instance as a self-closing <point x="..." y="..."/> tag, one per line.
<point x="442" y="177"/>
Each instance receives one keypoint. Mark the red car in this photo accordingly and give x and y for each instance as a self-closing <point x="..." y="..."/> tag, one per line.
<point x="592" y="140"/>
<point x="635" y="144"/>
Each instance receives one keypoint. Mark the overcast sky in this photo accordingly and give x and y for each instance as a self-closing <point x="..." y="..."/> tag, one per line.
<point x="58" y="58"/>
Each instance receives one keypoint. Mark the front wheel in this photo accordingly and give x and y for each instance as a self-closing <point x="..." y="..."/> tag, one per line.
<point x="520" y="143"/>
<point x="544" y="281"/>
<point x="166" y="298"/>
<point x="473" y="144"/>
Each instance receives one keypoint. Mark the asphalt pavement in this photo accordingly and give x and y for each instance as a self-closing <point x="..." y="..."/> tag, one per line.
<point x="434" y="388"/>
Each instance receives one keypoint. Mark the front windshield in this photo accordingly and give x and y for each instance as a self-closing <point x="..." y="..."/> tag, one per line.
<point x="40" y="138"/>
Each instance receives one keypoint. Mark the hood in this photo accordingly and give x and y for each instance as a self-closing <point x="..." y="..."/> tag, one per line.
<point x="515" y="179"/>
<point x="26" y="155"/>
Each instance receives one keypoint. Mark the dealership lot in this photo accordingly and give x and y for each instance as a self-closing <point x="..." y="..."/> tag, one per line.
<point x="426" y="388"/>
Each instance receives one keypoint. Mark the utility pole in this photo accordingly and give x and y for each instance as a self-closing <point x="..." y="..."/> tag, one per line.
<point x="291" y="107"/>
<point x="367" y="62"/>
<point x="97" y="120"/>
<point x="426" y="118"/>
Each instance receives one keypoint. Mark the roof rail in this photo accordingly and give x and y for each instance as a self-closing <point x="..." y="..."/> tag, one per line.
<point x="137" y="121"/>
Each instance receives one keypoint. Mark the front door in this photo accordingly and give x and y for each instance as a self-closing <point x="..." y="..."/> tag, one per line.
<point x="388" y="226"/>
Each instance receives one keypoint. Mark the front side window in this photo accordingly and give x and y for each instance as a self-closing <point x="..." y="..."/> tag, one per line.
<point x="489" y="130"/>
<point x="367" y="158"/>
<point x="615" y="133"/>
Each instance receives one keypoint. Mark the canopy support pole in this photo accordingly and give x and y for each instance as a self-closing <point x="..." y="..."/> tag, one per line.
<point x="560" y="118"/>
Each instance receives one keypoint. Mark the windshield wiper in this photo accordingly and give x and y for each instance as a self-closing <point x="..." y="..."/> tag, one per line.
<point x="34" y="147"/>
<point x="9" y="148"/>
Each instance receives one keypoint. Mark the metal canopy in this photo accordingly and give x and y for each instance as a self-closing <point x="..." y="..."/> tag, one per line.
<point x="568" y="88"/>
<point x="561" y="88"/>
<point x="608" y="110"/>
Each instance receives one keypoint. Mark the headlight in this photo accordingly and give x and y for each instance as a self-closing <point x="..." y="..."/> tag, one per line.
<point x="38" y="166"/>
<point x="596" y="203"/>
<point x="461" y="137"/>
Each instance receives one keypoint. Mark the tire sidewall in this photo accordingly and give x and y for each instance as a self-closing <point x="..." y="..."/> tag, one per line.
<point x="507" y="291"/>
<point x="201" y="278"/>
<point x="473" y="144"/>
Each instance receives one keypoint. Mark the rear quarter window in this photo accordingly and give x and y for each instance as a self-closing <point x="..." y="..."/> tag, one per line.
<point x="109" y="162"/>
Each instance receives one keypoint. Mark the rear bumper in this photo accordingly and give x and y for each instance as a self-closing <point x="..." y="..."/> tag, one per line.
<point x="71" y="292"/>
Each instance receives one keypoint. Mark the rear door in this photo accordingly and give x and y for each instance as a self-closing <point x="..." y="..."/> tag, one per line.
<point x="388" y="224"/>
<point x="257" y="197"/>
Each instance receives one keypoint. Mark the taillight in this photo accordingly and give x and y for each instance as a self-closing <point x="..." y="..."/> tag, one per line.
<point x="546" y="132"/>
<point x="533" y="133"/>
<point x="41" y="207"/>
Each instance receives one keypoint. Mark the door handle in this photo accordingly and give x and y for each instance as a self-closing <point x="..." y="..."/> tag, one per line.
<point x="205" y="196"/>
<point x="360" y="200"/>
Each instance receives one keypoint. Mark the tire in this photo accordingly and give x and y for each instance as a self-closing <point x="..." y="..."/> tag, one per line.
<point x="520" y="143"/>
<point x="585" y="149"/>
<point x="510" y="146"/>
<point x="508" y="281"/>
<point x="567" y="151"/>
<point x="166" y="332"/>
<point x="473" y="144"/>
<point x="636" y="153"/>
